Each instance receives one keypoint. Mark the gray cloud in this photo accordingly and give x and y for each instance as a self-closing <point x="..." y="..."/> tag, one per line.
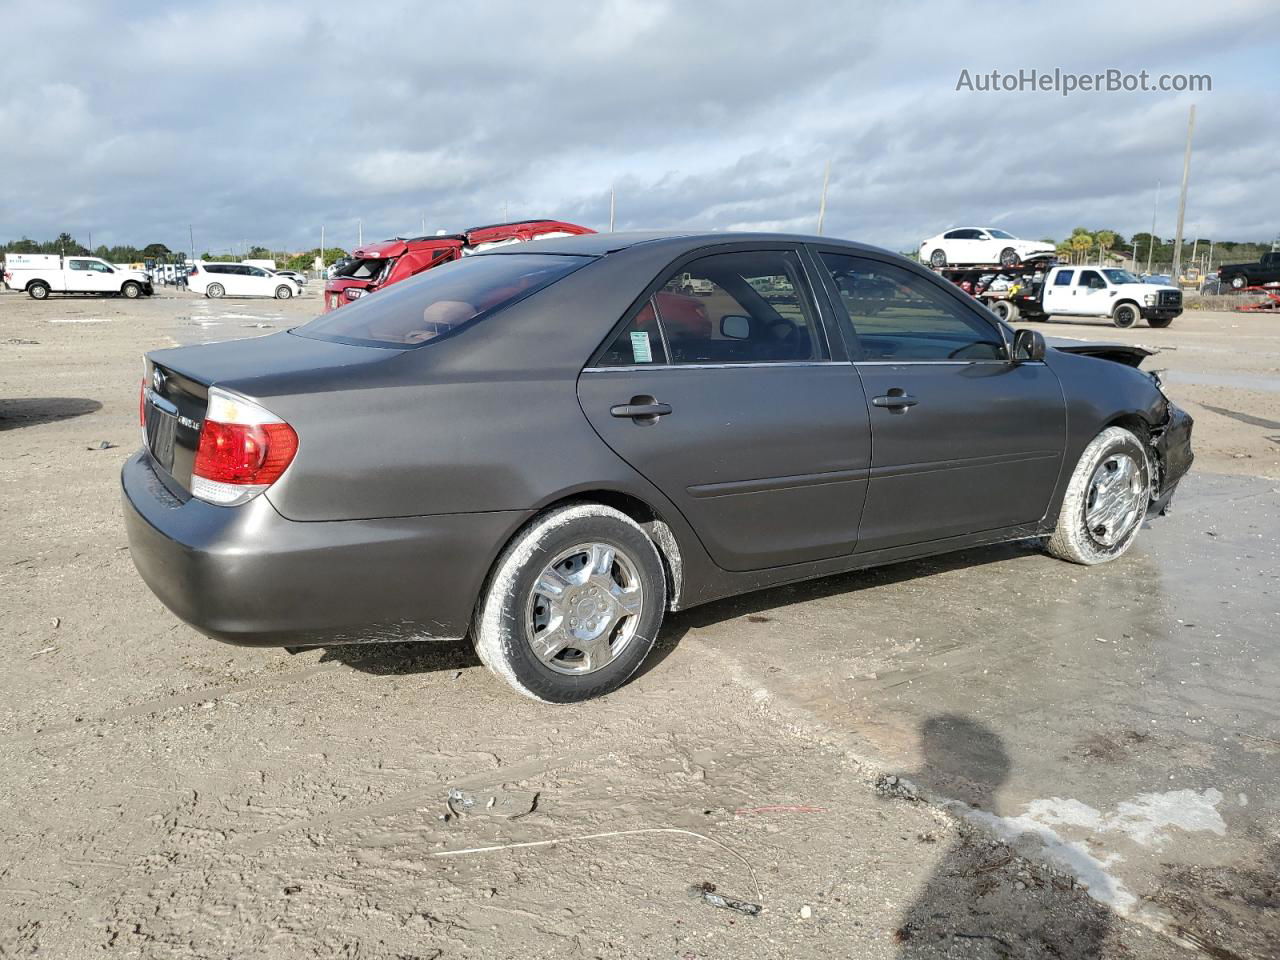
<point x="261" y="122"/>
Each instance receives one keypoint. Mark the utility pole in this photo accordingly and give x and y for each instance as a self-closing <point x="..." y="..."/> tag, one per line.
<point x="1151" y="237"/>
<point x="822" y="205"/>
<point x="191" y="238"/>
<point x="1182" y="199"/>
<point x="612" y="191"/>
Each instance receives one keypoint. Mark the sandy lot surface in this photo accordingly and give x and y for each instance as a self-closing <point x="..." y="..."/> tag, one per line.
<point x="863" y="757"/>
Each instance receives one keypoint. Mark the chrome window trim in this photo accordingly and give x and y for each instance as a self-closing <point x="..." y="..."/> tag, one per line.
<point x="944" y="363"/>
<point x="632" y="368"/>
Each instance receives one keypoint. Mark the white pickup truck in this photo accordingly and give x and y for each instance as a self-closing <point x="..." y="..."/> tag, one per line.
<point x="1106" y="292"/>
<point x="42" y="274"/>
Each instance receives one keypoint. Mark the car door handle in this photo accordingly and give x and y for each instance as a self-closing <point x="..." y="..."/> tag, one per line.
<point x="641" y="409"/>
<point x="895" y="401"/>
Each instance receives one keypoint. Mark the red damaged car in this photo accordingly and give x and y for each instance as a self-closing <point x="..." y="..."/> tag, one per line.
<point x="389" y="261"/>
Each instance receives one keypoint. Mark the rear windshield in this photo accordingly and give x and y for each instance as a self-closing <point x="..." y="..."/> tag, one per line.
<point x="441" y="300"/>
<point x="362" y="269"/>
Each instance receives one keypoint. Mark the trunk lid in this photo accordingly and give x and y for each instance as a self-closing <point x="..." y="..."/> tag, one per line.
<point x="177" y="383"/>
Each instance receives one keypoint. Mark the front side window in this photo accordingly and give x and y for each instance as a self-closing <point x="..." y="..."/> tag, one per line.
<point x="441" y="301"/>
<point x="750" y="307"/>
<point x="1092" y="279"/>
<point x="898" y="315"/>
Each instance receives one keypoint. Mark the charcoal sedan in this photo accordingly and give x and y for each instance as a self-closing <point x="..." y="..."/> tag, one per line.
<point x="549" y="446"/>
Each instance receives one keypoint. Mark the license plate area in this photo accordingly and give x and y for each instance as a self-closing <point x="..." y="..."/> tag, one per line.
<point x="161" y="428"/>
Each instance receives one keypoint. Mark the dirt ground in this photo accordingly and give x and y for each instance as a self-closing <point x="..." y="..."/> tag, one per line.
<point x="872" y="759"/>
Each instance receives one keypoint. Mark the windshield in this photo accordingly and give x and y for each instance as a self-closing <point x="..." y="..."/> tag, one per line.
<point x="1001" y="235"/>
<point x="1120" y="276"/>
<point x="441" y="300"/>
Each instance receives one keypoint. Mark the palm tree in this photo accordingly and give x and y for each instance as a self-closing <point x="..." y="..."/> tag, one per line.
<point x="1081" y="242"/>
<point x="1106" y="240"/>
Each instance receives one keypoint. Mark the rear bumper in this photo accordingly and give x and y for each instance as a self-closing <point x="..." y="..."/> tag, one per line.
<point x="247" y="575"/>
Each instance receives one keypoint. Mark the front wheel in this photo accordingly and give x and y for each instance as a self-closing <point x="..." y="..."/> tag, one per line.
<point x="1105" y="500"/>
<point x="1160" y="322"/>
<point x="573" y="605"/>
<point x="283" y="292"/>
<point x="131" y="291"/>
<point x="1009" y="257"/>
<point x="1125" y="316"/>
<point x="214" y="290"/>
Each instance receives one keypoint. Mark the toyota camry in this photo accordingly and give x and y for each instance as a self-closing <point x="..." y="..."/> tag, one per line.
<point x="548" y="447"/>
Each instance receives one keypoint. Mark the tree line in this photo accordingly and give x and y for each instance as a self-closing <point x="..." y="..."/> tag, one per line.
<point x="66" y="245"/>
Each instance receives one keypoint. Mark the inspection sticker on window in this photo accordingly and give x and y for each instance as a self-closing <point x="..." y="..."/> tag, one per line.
<point x="640" y="349"/>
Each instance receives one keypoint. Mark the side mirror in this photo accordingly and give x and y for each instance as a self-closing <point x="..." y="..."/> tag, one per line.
<point x="735" y="327"/>
<point x="1028" y="346"/>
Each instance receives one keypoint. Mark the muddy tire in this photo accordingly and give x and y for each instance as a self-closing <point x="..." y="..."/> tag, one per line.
<point x="1160" y="322"/>
<point x="1106" y="500"/>
<point x="938" y="258"/>
<point x="573" y="605"/>
<point x="131" y="291"/>
<point x="1125" y="315"/>
<point x="283" y="292"/>
<point x="1006" y="310"/>
<point x="38" y="290"/>
<point x="214" y="291"/>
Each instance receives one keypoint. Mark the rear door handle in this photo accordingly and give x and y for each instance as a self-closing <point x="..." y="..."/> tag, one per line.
<point x="641" y="409"/>
<point x="895" y="401"/>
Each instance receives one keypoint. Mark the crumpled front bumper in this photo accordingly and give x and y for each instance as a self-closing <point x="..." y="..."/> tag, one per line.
<point x="1173" y="456"/>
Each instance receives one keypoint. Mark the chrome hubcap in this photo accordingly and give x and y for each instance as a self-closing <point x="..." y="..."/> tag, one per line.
<point x="1117" y="495"/>
<point x="584" y="608"/>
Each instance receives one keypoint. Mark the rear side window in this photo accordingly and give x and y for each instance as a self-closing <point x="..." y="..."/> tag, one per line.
<point x="750" y="307"/>
<point x="1063" y="279"/>
<point x="441" y="301"/>
<point x="639" y="343"/>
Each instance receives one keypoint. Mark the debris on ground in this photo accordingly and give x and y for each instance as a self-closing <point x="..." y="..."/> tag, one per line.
<point x="898" y="788"/>
<point x="499" y="803"/>
<point x="779" y="808"/>
<point x="104" y="445"/>
<point x="707" y="893"/>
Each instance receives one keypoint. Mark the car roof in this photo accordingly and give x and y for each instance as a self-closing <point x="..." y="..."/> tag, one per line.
<point x="601" y="244"/>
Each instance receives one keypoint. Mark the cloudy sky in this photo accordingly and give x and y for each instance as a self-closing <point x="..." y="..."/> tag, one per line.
<point x="261" y="122"/>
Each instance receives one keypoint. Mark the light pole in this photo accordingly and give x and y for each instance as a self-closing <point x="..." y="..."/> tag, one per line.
<point x="1182" y="199"/>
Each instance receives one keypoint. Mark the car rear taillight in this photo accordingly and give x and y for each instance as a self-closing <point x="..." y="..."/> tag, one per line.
<point x="142" y="403"/>
<point x="244" y="448"/>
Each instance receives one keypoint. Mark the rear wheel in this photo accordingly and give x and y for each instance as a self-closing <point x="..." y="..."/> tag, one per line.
<point x="131" y="291"/>
<point x="214" y="290"/>
<point x="938" y="258"/>
<point x="283" y="292"/>
<point x="38" y="290"/>
<point x="1159" y="322"/>
<point x="1105" y="500"/>
<point x="1125" y="315"/>
<point x="573" y="605"/>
